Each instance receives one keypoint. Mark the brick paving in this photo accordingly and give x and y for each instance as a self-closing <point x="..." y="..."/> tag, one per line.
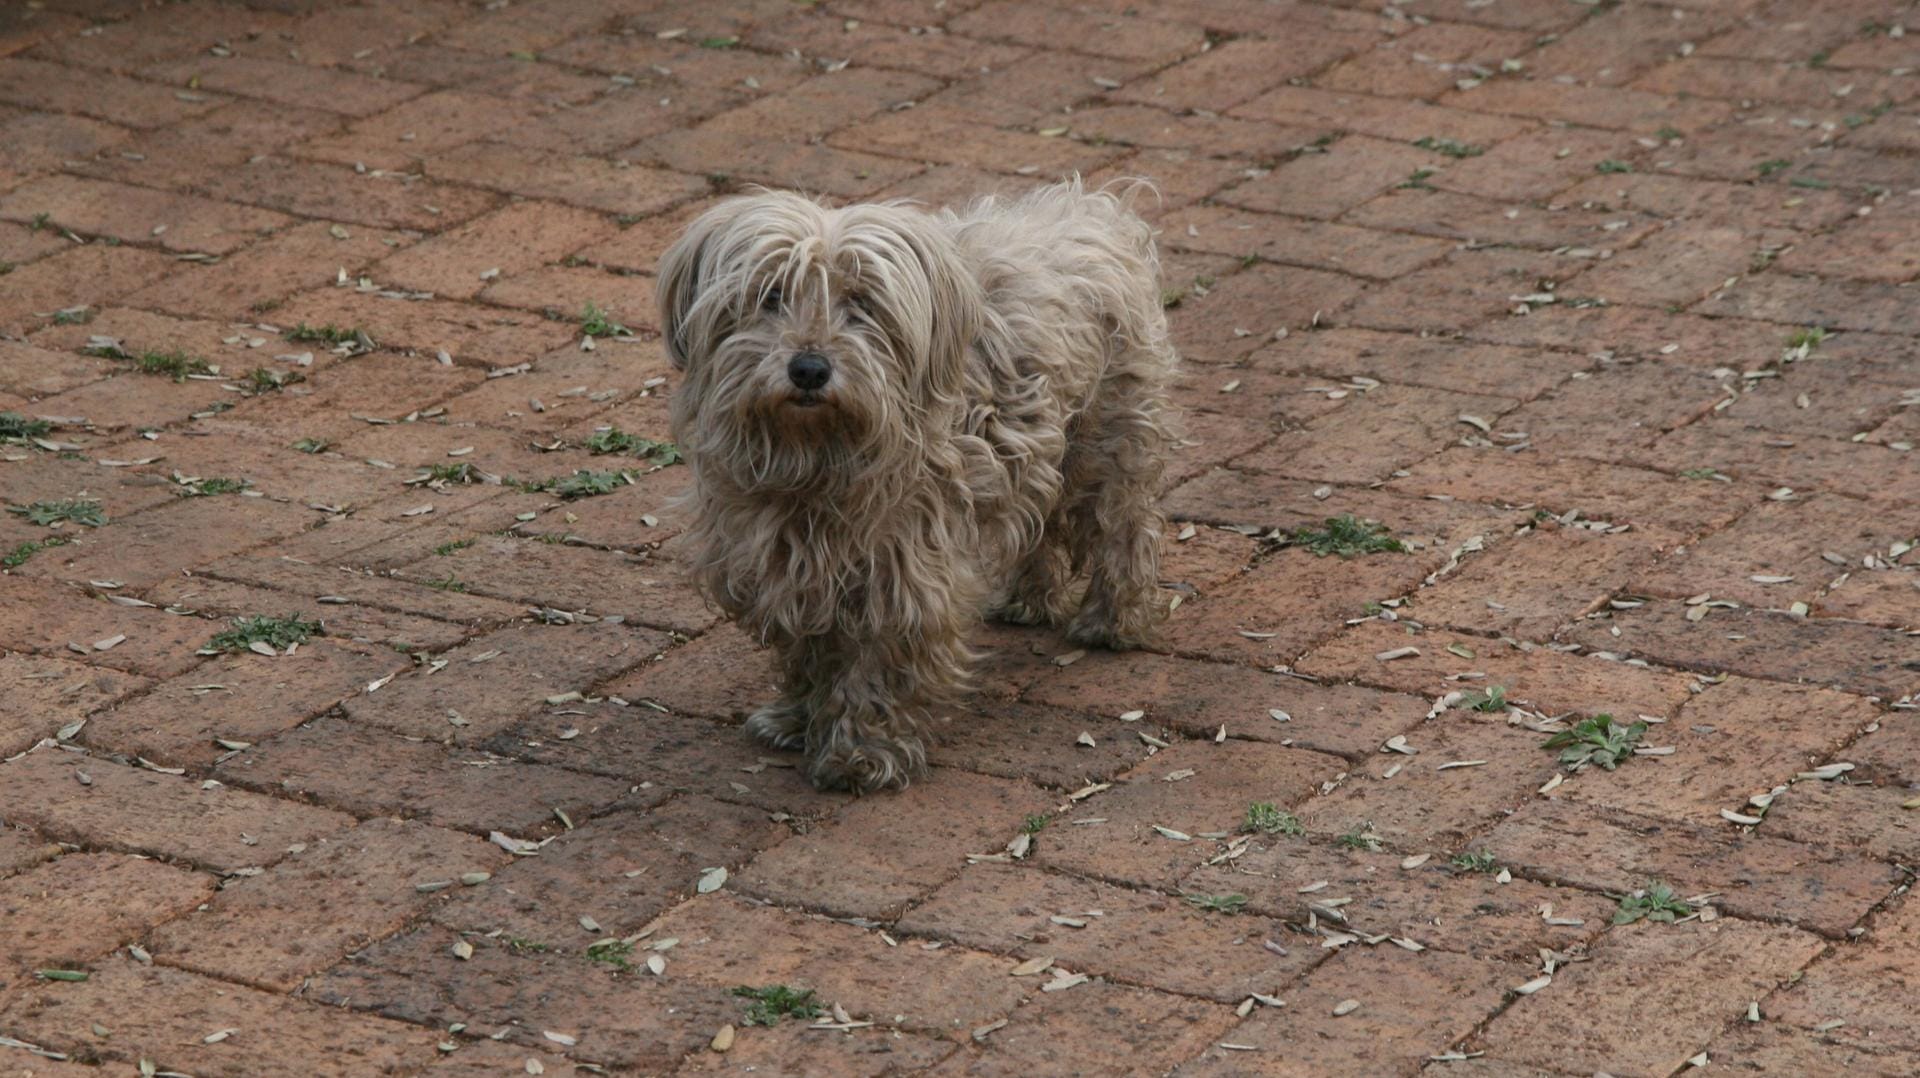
<point x="1605" y="312"/>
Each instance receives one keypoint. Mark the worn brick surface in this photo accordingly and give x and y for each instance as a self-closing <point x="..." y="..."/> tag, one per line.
<point x="1525" y="281"/>
<point x="74" y="909"/>
<point x="1723" y="966"/>
<point x="724" y="943"/>
<point x="268" y="931"/>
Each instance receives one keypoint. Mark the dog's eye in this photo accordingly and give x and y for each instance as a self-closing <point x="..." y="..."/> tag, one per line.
<point x="770" y="300"/>
<point x="859" y="302"/>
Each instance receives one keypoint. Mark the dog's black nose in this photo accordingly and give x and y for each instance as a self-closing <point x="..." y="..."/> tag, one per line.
<point x="809" y="371"/>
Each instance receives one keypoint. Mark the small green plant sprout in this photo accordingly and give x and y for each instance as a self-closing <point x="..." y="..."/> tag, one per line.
<point x="1360" y="838"/>
<point x="1418" y="180"/>
<point x="1802" y="342"/>
<point x="1450" y="147"/>
<point x="176" y="364"/>
<point x="1654" y="902"/>
<point x="447" y="549"/>
<point x="447" y="474"/>
<point x="615" y="440"/>
<point x="39" y="222"/>
<point x="73" y="316"/>
<point x="776" y="1001"/>
<point x="611" y="952"/>
<point x="1769" y="167"/>
<point x="53" y="514"/>
<point x="581" y="484"/>
<point x="1348" y="537"/>
<point x="1266" y="818"/>
<point x="594" y="322"/>
<point x="1218" y="903"/>
<point x="1598" y="740"/>
<point x="19" y="555"/>
<point x="206" y="488"/>
<point x="313" y="445"/>
<point x="275" y="634"/>
<point x="327" y="334"/>
<point x="726" y="41"/>
<point x="522" y="945"/>
<point x="1472" y="861"/>
<point x="15" y="427"/>
<point x="1610" y="165"/>
<point x="1491" y="700"/>
<point x="1035" y="823"/>
<point x="268" y="380"/>
<point x="447" y="583"/>
<point x="1668" y="134"/>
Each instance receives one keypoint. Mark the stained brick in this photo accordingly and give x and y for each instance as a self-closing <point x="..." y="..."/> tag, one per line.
<point x="139" y="811"/>
<point x="372" y="773"/>
<point x="1546" y="680"/>
<point x="1710" y="971"/>
<point x="509" y="240"/>
<point x="531" y="663"/>
<point x="74" y="909"/>
<point x="1863" y="984"/>
<point x="725" y="942"/>
<point x="580" y="181"/>
<point x="45" y="694"/>
<point x="1305" y="243"/>
<point x="1858" y="658"/>
<point x="268" y="931"/>
<point x="337" y="193"/>
<point x="1135" y="937"/>
<point x="139" y="215"/>
<point x="1412" y="1006"/>
<point x="622" y="871"/>
<point x="165" y="1015"/>
<point x="1815" y="887"/>
<point x="1125" y="847"/>
<point x="1197" y="698"/>
<point x="875" y="857"/>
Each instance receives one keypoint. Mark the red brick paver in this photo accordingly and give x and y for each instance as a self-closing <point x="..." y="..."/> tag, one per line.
<point x="1607" y="314"/>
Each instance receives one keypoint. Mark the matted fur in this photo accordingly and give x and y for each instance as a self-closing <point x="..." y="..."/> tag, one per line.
<point x="995" y="425"/>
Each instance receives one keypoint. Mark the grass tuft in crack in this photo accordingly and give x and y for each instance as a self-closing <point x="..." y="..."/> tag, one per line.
<point x="773" y="1002"/>
<point x="1654" y="902"/>
<point x="615" y="440"/>
<point x="15" y="427"/>
<point x="1218" y="903"/>
<point x="19" y="555"/>
<point x="595" y="322"/>
<point x="1598" y="740"/>
<point x="1268" y="819"/>
<point x="1347" y="537"/>
<point x="76" y="511"/>
<point x="274" y="632"/>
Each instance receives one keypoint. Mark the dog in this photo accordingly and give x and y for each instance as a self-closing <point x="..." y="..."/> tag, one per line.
<point x="898" y="420"/>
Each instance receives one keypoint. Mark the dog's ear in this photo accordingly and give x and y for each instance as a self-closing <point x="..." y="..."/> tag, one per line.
<point x="956" y="306"/>
<point x="680" y="280"/>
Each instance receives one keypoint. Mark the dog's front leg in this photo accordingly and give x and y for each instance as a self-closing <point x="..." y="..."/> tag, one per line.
<point x="868" y="702"/>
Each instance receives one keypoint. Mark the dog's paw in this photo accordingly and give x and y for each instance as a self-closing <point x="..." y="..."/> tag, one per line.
<point x="869" y="764"/>
<point x="1099" y="628"/>
<point x="1018" y="612"/>
<point x="782" y="726"/>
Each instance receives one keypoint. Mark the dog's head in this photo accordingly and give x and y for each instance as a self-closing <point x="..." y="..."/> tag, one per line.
<point x="814" y="340"/>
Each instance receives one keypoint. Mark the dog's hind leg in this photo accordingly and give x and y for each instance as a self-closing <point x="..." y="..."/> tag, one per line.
<point x="1115" y="494"/>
